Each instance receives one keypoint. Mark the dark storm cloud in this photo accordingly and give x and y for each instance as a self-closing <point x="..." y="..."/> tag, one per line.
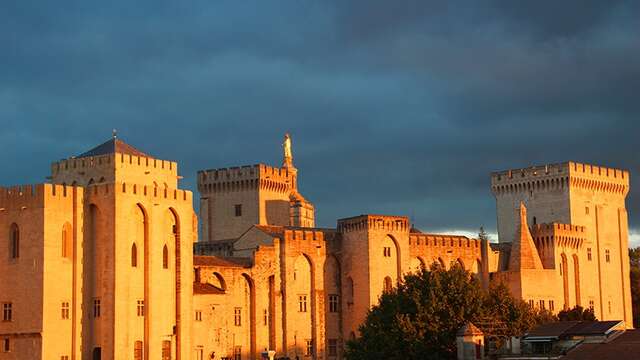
<point x="395" y="107"/>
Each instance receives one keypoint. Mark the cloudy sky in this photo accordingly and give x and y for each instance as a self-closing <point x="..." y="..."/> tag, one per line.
<point x="400" y="107"/>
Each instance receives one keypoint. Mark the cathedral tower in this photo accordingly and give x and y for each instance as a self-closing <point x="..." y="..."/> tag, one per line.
<point x="234" y="199"/>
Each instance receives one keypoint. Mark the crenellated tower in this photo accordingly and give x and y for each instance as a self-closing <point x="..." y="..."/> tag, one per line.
<point x="234" y="199"/>
<point x="107" y="251"/>
<point x="115" y="161"/>
<point x="375" y="255"/>
<point x="576" y="194"/>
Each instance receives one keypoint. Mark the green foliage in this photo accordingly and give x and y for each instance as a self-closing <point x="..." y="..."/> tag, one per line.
<point x="634" y="257"/>
<point x="577" y="314"/>
<point x="420" y="318"/>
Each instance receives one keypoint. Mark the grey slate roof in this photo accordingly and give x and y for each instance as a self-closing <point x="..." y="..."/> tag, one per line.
<point x="112" y="146"/>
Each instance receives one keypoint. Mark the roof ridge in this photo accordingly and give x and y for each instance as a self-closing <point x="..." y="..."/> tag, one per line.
<point x="112" y="146"/>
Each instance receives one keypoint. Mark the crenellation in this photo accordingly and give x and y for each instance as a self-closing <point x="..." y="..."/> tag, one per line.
<point x="560" y="176"/>
<point x="20" y="197"/>
<point x="80" y="163"/>
<point x="277" y="280"/>
<point x="447" y="241"/>
<point x="374" y="222"/>
<point x="132" y="189"/>
<point x="246" y="178"/>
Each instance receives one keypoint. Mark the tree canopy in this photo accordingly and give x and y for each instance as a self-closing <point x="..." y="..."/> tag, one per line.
<point x="577" y="314"/>
<point x="419" y="319"/>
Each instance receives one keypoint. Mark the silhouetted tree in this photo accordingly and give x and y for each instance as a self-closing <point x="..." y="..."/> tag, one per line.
<point x="576" y="314"/>
<point x="419" y="319"/>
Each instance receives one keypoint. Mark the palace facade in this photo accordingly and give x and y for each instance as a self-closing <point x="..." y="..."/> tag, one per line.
<point x="104" y="261"/>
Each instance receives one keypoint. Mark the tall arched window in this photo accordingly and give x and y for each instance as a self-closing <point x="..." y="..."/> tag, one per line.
<point x="349" y="290"/>
<point x="388" y="284"/>
<point x="134" y="255"/>
<point x="564" y="267"/>
<point x="137" y="350"/>
<point x="14" y="241"/>
<point x="165" y="257"/>
<point x="67" y="241"/>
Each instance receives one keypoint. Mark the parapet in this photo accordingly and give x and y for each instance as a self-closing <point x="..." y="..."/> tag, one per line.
<point x="151" y="192"/>
<point x="560" y="176"/>
<point x="557" y="228"/>
<point x="30" y="196"/>
<point x="568" y="235"/>
<point x="304" y="234"/>
<point x="114" y="167"/>
<point x="249" y="177"/>
<point x="436" y="240"/>
<point x="374" y="222"/>
<point x="111" y="160"/>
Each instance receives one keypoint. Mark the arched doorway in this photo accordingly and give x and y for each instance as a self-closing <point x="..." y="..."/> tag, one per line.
<point x="97" y="353"/>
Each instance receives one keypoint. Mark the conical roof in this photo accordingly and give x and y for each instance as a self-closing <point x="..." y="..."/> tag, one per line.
<point x="524" y="254"/>
<point x="469" y="329"/>
<point x="112" y="146"/>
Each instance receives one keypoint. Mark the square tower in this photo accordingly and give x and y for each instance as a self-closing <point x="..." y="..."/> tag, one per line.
<point x="138" y="229"/>
<point x="375" y="255"/>
<point x="583" y="195"/>
<point x="234" y="199"/>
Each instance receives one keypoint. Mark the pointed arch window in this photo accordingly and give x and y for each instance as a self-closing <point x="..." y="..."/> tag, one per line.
<point x="67" y="241"/>
<point x="134" y="255"/>
<point x="14" y="241"/>
<point x="388" y="284"/>
<point x="165" y="257"/>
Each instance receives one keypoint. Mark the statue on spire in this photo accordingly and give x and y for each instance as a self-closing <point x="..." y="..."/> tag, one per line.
<point x="286" y="147"/>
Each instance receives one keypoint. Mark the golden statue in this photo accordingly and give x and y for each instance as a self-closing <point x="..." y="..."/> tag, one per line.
<point x="286" y="145"/>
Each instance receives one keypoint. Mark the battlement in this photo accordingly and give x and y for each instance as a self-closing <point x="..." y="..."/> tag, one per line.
<point x="250" y="177"/>
<point x="448" y="241"/>
<point x="151" y="192"/>
<point x="560" y="176"/>
<point x="309" y="234"/>
<point x="111" y="160"/>
<point x="26" y="196"/>
<point x="549" y="235"/>
<point x="557" y="228"/>
<point x="374" y="222"/>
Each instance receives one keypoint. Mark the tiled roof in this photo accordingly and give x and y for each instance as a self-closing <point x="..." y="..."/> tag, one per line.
<point x="573" y="328"/>
<point x="206" y="288"/>
<point x="271" y="230"/>
<point x="585" y="328"/>
<point x="208" y="260"/>
<point x="469" y="329"/>
<point x="626" y="346"/>
<point x="552" y="330"/>
<point x="113" y="146"/>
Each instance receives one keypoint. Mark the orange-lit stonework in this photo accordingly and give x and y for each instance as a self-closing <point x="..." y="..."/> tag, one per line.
<point x="104" y="262"/>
